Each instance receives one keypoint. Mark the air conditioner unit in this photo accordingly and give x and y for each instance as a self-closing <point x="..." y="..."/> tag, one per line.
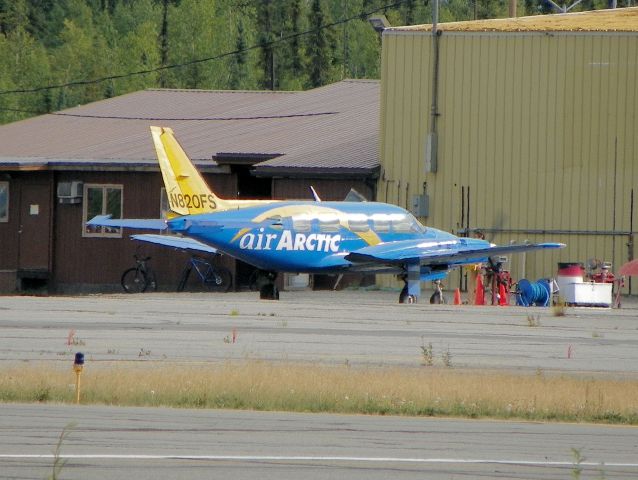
<point x="70" y="192"/>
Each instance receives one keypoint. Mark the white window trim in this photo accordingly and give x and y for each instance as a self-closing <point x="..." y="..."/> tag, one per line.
<point x="101" y="233"/>
<point x="5" y="219"/>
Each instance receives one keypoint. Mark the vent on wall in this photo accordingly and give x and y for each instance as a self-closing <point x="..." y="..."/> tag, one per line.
<point x="70" y="192"/>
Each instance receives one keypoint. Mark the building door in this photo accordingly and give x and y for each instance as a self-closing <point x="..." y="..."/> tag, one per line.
<point x="249" y="187"/>
<point x="35" y="231"/>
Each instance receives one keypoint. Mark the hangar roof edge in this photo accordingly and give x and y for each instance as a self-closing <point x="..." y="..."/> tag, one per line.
<point x="608" y="20"/>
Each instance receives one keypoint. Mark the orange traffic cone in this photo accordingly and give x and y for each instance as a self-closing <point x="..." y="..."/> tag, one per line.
<point x="457" y="297"/>
<point x="480" y="291"/>
<point x="502" y="295"/>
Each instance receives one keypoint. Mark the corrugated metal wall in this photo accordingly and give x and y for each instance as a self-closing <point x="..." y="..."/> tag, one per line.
<point x="540" y="128"/>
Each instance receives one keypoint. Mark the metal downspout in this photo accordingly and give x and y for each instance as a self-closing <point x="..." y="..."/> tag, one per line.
<point x="431" y="161"/>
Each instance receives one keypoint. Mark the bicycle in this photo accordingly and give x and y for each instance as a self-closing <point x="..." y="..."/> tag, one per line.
<point x="139" y="278"/>
<point x="213" y="277"/>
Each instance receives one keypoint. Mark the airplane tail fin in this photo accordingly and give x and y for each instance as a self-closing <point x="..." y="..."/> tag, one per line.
<point x="187" y="191"/>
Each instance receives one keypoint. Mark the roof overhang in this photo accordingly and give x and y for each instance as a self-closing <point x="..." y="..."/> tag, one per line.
<point x="230" y="158"/>
<point x="31" y="164"/>
<point x="329" y="173"/>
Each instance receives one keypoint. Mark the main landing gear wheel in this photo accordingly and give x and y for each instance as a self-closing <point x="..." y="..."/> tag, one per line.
<point x="269" y="292"/>
<point x="267" y="288"/>
<point x="404" y="296"/>
<point x="437" y="297"/>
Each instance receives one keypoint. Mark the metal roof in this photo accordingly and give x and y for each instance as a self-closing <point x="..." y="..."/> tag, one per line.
<point x="327" y="128"/>
<point x="609" y="20"/>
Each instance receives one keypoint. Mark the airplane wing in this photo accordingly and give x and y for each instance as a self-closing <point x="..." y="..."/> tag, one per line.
<point x="183" y="243"/>
<point x="141" y="223"/>
<point x="437" y="253"/>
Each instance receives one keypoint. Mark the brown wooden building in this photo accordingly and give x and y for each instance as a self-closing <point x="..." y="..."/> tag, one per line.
<point x="59" y="170"/>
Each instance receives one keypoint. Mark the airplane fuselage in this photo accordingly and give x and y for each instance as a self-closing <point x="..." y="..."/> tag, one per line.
<point x="310" y="237"/>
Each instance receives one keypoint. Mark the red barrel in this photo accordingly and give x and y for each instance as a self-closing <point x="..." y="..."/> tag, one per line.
<point x="571" y="269"/>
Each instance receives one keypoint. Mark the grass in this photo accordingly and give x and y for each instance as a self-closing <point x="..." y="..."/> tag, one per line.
<point x="436" y="391"/>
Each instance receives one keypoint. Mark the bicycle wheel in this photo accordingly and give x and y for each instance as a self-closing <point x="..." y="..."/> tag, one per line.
<point x="133" y="281"/>
<point x="184" y="278"/>
<point x="218" y="279"/>
<point x="151" y="282"/>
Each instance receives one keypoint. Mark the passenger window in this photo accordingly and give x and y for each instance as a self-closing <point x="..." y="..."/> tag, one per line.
<point x="358" y="223"/>
<point x="329" y="224"/>
<point x="381" y="223"/>
<point x="275" y="222"/>
<point x="301" y="223"/>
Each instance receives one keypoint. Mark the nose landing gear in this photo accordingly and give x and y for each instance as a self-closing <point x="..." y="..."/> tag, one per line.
<point x="266" y="283"/>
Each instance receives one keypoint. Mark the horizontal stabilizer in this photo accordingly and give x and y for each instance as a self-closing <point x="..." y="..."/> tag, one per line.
<point x="141" y="223"/>
<point x="182" y="243"/>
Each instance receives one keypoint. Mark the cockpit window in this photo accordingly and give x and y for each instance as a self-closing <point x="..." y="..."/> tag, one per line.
<point x="406" y="223"/>
<point x="397" y="222"/>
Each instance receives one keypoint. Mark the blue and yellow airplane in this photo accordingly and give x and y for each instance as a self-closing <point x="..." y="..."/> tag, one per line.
<point x="304" y="236"/>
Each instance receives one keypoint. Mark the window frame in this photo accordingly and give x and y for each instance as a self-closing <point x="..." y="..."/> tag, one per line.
<point x="5" y="218"/>
<point x="101" y="232"/>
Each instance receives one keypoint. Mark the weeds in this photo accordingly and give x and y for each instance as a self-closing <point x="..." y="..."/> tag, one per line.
<point x="533" y="320"/>
<point x="427" y="353"/>
<point x="72" y="339"/>
<point x="58" y="461"/>
<point x="577" y="470"/>
<point x="447" y="358"/>
<point x="232" y="338"/>
<point x="559" y="308"/>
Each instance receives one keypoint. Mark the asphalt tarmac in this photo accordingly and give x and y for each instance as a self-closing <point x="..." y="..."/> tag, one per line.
<point x="358" y="328"/>
<point x="363" y="328"/>
<point x="145" y="444"/>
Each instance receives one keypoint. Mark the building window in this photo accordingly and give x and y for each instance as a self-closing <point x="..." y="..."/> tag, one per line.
<point x="102" y="200"/>
<point x="165" y="208"/>
<point x="4" y="201"/>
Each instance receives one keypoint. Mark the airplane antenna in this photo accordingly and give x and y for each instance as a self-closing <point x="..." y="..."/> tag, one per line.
<point x="314" y="194"/>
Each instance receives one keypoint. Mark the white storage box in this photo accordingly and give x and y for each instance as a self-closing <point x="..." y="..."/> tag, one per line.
<point x="587" y="294"/>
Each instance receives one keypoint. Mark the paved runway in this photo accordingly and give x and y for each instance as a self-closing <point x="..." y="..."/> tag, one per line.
<point x="365" y="328"/>
<point x="142" y="443"/>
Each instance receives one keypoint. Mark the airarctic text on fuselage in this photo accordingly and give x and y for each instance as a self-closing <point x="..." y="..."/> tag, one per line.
<point x="289" y="241"/>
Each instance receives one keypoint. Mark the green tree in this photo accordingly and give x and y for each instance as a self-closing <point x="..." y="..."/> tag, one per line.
<point x="238" y="78"/>
<point x="133" y="44"/>
<point x="82" y="55"/>
<point x="266" y="28"/>
<point x="196" y="32"/>
<point x="320" y="48"/>
<point x="23" y="64"/>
